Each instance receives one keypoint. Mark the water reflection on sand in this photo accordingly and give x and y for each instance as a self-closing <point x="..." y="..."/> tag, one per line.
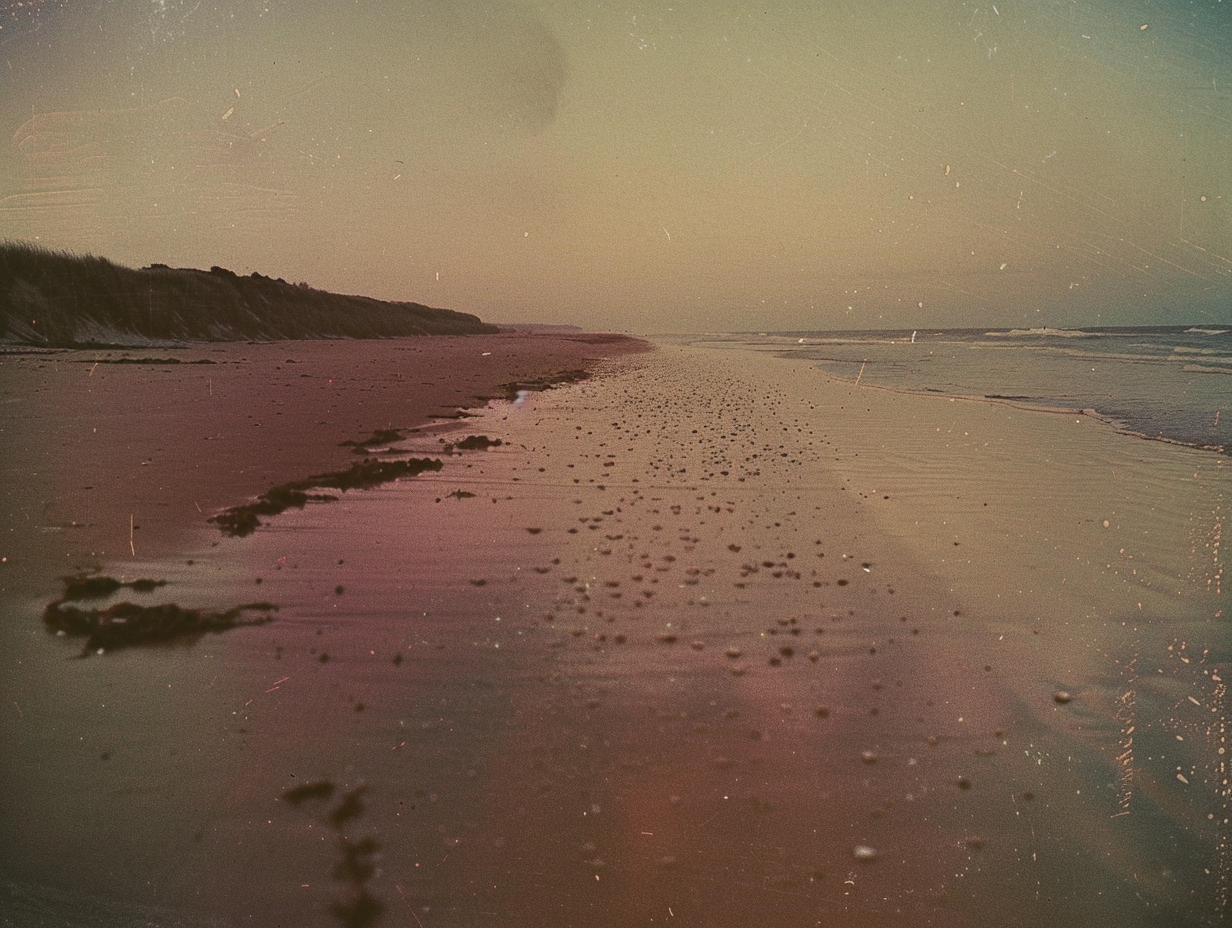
<point x="674" y="652"/>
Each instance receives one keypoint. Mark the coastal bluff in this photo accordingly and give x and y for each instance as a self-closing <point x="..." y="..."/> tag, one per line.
<point x="59" y="300"/>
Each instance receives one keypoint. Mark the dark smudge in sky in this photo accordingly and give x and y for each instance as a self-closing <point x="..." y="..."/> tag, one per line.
<point x="644" y="166"/>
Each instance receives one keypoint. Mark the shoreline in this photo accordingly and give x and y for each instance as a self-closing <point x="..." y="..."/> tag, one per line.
<point x="1111" y="422"/>
<point x="1192" y="422"/>
<point x="1011" y="402"/>
<point x="114" y="459"/>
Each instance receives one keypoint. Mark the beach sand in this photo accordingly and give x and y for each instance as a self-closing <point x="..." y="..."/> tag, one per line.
<point x="105" y="460"/>
<point x="711" y="638"/>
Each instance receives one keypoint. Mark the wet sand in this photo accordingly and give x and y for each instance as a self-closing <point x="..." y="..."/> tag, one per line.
<point x="90" y="442"/>
<point x="711" y="638"/>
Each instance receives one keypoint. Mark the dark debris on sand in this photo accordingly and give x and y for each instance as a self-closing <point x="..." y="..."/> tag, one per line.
<point x="243" y="520"/>
<point x="379" y="438"/>
<point x="127" y="624"/>
<point x="358" y="857"/>
<point x="511" y="390"/>
<point x="474" y="443"/>
<point x="92" y="586"/>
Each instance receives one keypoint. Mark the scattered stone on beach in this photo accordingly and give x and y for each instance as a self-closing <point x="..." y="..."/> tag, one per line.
<point x="1062" y="696"/>
<point x="864" y="853"/>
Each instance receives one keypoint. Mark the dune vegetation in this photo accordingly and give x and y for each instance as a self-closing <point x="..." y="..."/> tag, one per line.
<point x="57" y="299"/>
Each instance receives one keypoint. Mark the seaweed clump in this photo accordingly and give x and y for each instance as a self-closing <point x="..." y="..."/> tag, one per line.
<point x="474" y="443"/>
<point x="239" y="521"/>
<point x="359" y="908"/>
<point x="381" y="437"/>
<point x="127" y="624"/>
<point x="576" y="375"/>
<point x="161" y="362"/>
<point x="92" y="586"/>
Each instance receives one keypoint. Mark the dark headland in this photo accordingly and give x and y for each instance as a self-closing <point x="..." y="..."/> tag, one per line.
<point x="59" y="300"/>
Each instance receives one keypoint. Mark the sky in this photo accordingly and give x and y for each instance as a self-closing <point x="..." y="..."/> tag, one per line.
<point x="644" y="166"/>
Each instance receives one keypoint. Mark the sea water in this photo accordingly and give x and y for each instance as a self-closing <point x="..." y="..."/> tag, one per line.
<point x="1172" y="383"/>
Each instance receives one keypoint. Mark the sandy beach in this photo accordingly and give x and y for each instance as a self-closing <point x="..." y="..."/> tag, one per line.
<point x="710" y="638"/>
<point x="91" y="440"/>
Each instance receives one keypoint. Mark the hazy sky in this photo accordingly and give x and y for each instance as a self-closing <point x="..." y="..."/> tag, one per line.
<point x="644" y="165"/>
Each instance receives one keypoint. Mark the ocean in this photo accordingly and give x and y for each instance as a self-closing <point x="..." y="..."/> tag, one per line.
<point x="1172" y="383"/>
